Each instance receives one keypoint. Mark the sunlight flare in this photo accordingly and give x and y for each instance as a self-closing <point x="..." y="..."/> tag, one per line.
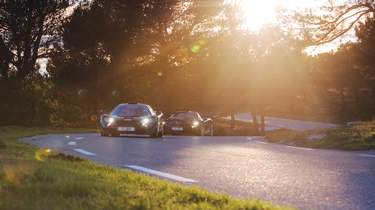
<point x="257" y="13"/>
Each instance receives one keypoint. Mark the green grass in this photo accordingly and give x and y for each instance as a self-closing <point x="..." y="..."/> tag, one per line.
<point x="32" y="178"/>
<point x="357" y="137"/>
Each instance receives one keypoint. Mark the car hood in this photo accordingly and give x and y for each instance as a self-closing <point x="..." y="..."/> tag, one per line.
<point x="178" y="121"/>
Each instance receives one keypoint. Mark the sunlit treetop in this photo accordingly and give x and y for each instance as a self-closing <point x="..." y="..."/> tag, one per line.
<point x="330" y="22"/>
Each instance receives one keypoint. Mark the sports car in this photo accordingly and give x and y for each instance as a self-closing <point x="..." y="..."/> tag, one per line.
<point x="188" y="122"/>
<point x="132" y="118"/>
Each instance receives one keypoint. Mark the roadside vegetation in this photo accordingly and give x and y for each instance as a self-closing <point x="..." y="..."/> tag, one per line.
<point x="360" y="136"/>
<point x="32" y="178"/>
<point x="178" y="55"/>
<point x="224" y="127"/>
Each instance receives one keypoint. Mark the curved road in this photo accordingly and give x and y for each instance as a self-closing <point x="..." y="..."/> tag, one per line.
<point x="245" y="167"/>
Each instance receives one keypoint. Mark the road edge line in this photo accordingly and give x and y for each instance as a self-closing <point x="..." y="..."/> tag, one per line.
<point x="160" y="174"/>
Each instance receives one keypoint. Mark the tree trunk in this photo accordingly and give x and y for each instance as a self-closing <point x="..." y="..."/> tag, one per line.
<point x="343" y="104"/>
<point x="31" y="45"/>
<point x="255" y="121"/>
<point x="27" y="37"/>
<point x="358" y="105"/>
<point x="372" y="104"/>
<point x="5" y="57"/>
<point x="232" y="120"/>
<point x="262" y="124"/>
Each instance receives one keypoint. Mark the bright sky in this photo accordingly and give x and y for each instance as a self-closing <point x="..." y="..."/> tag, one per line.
<point x="257" y="13"/>
<point x="260" y="12"/>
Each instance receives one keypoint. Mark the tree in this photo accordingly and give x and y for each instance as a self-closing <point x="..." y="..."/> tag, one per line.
<point x="333" y="20"/>
<point x="352" y="65"/>
<point x="135" y="48"/>
<point x="27" y="29"/>
<point x="366" y="36"/>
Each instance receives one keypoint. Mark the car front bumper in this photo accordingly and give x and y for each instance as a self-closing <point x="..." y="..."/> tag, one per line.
<point x="139" y="130"/>
<point x="187" y="129"/>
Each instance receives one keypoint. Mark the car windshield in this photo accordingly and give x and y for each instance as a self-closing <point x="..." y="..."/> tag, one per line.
<point x="131" y="110"/>
<point x="185" y="116"/>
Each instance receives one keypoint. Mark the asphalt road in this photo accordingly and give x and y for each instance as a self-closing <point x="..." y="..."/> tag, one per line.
<point x="245" y="167"/>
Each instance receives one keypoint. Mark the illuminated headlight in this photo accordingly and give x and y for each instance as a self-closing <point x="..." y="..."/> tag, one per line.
<point x="108" y="120"/>
<point x="195" y="124"/>
<point x="145" y="122"/>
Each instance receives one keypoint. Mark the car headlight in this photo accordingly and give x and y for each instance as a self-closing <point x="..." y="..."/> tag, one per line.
<point x="145" y="122"/>
<point x="109" y="120"/>
<point x="195" y="124"/>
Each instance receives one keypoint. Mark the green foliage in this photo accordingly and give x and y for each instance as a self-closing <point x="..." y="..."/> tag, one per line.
<point x="23" y="24"/>
<point x="63" y="182"/>
<point x="2" y="144"/>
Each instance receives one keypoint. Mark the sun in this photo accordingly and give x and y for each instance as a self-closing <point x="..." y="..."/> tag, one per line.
<point x="257" y="13"/>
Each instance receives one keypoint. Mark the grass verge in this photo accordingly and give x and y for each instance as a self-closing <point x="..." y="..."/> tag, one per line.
<point x="32" y="178"/>
<point x="222" y="127"/>
<point x="360" y="136"/>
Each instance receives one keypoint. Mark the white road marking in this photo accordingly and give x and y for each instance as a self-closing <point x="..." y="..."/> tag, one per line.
<point x="82" y="151"/>
<point x="260" y="142"/>
<point x="161" y="174"/>
<point x="67" y="137"/>
<point x="134" y="135"/>
<point x="367" y="155"/>
<point x="72" y="143"/>
<point x="79" y="138"/>
<point x="301" y="148"/>
<point x="255" y="138"/>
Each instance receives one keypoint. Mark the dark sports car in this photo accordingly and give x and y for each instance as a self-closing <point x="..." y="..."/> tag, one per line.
<point x="132" y="119"/>
<point x="188" y="122"/>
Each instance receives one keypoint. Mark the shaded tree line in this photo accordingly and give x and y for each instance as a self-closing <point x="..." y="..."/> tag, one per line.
<point x="175" y="55"/>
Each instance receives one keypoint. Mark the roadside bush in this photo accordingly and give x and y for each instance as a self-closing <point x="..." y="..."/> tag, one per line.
<point x="2" y="144"/>
<point x="66" y="157"/>
<point x="223" y="128"/>
<point x="357" y="137"/>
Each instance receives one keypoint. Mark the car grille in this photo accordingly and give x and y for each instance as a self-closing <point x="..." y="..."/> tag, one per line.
<point x="127" y="122"/>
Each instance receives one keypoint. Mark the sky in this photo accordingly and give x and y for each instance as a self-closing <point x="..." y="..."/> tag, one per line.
<point x="258" y="13"/>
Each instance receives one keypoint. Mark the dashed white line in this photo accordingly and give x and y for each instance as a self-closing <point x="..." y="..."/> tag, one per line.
<point x="367" y="155"/>
<point x="255" y="138"/>
<point x="82" y="151"/>
<point x="160" y="174"/>
<point x="301" y="148"/>
<point x="260" y="142"/>
<point x="72" y="143"/>
<point x="79" y="138"/>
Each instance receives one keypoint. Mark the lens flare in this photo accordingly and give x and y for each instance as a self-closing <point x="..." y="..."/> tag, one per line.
<point x="197" y="47"/>
<point x="42" y="154"/>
